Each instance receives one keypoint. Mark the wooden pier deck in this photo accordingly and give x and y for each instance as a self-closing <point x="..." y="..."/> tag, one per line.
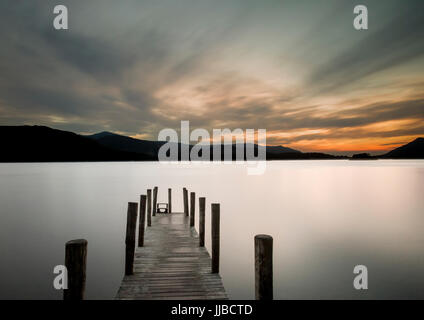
<point x="171" y="265"/>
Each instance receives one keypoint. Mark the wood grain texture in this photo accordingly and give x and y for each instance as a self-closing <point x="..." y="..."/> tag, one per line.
<point x="202" y="209"/>
<point x="185" y="194"/>
<point x="263" y="267"/>
<point x="149" y="207"/>
<point x="169" y="200"/>
<point x="192" y="208"/>
<point x="130" y="237"/>
<point x="142" y="220"/>
<point x="155" y="200"/>
<point x="215" y="232"/>
<point x="76" y="263"/>
<point x="171" y="265"/>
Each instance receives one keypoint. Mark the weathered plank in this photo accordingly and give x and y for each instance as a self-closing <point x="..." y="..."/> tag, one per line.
<point x="171" y="265"/>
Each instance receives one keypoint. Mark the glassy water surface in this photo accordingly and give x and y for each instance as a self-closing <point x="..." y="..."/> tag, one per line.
<point x="325" y="217"/>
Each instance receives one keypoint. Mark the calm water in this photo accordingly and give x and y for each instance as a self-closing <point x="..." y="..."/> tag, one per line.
<point x="325" y="217"/>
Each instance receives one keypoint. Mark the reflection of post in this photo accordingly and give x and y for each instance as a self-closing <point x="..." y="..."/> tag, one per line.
<point x="142" y="220"/>
<point x="130" y="237"/>
<point x="215" y="237"/>
<point x="263" y="267"/>
<point x="192" y="207"/>
<point x="149" y="207"/>
<point x="155" y="200"/>
<point x="185" y="193"/>
<point x="169" y="200"/>
<point x="75" y="262"/>
<point x="202" y="207"/>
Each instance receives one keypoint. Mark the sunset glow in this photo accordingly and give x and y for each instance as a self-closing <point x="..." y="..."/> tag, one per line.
<point x="300" y="71"/>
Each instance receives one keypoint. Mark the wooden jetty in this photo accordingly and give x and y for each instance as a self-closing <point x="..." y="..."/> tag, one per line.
<point x="172" y="264"/>
<point x="171" y="261"/>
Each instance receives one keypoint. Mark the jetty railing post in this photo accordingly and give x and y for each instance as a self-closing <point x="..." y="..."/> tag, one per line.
<point x="215" y="236"/>
<point x="76" y="263"/>
<point x="130" y="237"/>
<point x="185" y="193"/>
<point x="202" y="208"/>
<point x="149" y="207"/>
<point x="142" y="220"/>
<point x="192" y="208"/>
<point x="155" y="200"/>
<point x="263" y="267"/>
<point x="169" y="200"/>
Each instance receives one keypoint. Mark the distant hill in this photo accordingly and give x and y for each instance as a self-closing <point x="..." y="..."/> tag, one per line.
<point x="127" y="144"/>
<point x="43" y="144"/>
<point x="412" y="150"/>
<point x="151" y="148"/>
<point x="280" y="150"/>
<point x="363" y="156"/>
<point x="124" y="143"/>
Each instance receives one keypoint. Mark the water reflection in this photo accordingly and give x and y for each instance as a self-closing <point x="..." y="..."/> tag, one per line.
<point x="325" y="217"/>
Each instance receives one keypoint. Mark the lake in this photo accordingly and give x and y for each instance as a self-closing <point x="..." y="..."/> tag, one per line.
<point x="326" y="217"/>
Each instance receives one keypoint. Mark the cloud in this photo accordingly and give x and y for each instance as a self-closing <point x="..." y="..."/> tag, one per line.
<point x="137" y="67"/>
<point x="397" y="42"/>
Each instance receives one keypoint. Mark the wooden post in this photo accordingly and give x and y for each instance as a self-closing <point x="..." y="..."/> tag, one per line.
<point x="76" y="263"/>
<point x="215" y="237"/>
<point x="142" y="220"/>
<point x="169" y="200"/>
<point x="202" y="207"/>
<point x="263" y="267"/>
<point x="192" y="208"/>
<point x="185" y="193"/>
<point x="130" y="237"/>
<point x="149" y="207"/>
<point x="155" y="200"/>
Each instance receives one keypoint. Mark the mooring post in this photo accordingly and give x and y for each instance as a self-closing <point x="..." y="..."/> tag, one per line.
<point x="155" y="200"/>
<point x="192" y="208"/>
<point x="75" y="263"/>
<point x="149" y="207"/>
<point x="215" y="237"/>
<point x="263" y="267"/>
<point x="169" y="200"/>
<point x="185" y="193"/>
<point x="130" y="237"/>
<point x="202" y="208"/>
<point x="142" y="220"/>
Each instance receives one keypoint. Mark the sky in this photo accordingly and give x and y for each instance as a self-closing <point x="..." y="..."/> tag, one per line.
<point x="295" y="68"/>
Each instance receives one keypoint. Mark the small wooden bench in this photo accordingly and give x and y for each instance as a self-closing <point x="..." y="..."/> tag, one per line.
<point x="162" y="208"/>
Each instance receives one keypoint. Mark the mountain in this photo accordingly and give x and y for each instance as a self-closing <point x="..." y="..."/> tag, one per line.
<point x="412" y="150"/>
<point x="43" y="144"/>
<point x="280" y="150"/>
<point x="127" y="144"/>
<point x="363" y="156"/>
<point x="151" y="148"/>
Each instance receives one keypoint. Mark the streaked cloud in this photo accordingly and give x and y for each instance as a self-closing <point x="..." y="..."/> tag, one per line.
<point x="295" y="68"/>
